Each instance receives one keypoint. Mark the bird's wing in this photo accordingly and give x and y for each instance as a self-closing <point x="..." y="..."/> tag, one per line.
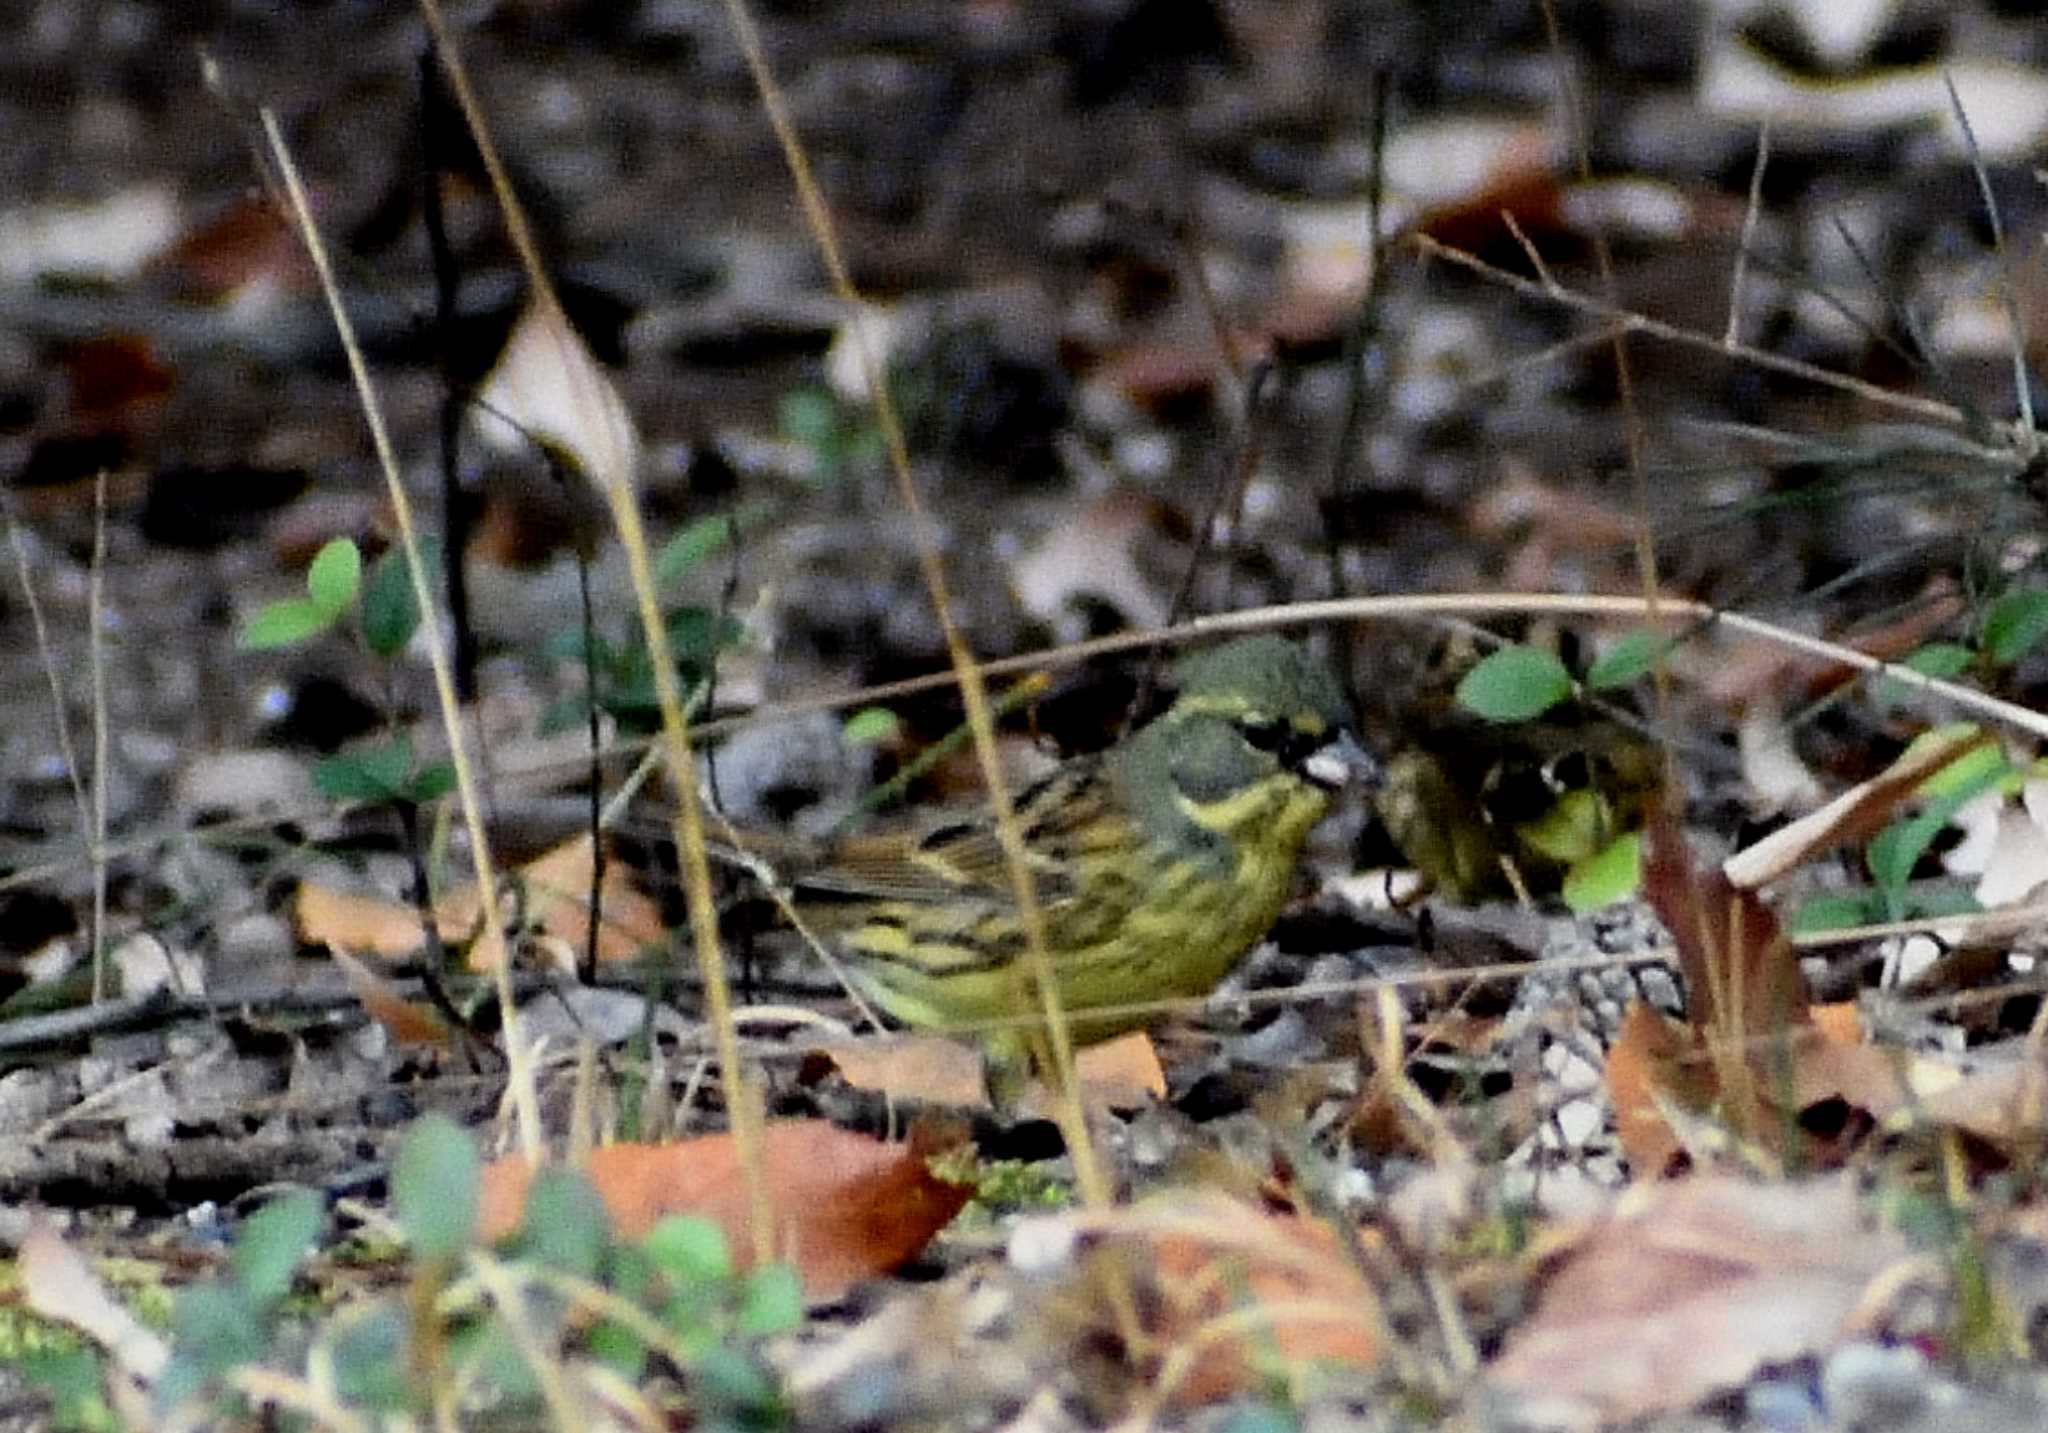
<point x="965" y="857"/>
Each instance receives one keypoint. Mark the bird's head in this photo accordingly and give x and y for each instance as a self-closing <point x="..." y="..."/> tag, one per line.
<point x="1284" y="709"/>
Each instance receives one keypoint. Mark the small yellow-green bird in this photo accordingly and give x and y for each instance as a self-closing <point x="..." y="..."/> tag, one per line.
<point x="1158" y="863"/>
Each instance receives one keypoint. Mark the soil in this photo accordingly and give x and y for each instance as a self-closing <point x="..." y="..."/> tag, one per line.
<point x="1123" y="247"/>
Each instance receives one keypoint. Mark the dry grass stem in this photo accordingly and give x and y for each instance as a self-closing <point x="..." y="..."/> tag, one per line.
<point x="525" y="1101"/>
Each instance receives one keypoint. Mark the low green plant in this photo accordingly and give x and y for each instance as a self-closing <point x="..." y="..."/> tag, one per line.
<point x="1519" y="683"/>
<point x="838" y="438"/>
<point x="619" y="672"/>
<point x="471" y="1329"/>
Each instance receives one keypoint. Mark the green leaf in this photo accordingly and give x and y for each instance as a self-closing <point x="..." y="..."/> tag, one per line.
<point x="74" y="1380"/>
<point x="282" y="624"/>
<point x="1514" y="684"/>
<point x="733" y="1378"/>
<point x="870" y="726"/>
<point x="1944" y="661"/>
<point x="2014" y="626"/>
<point x="1626" y="662"/>
<point x="499" y="1363"/>
<point x="1613" y="873"/>
<point x="369" y="1356"/>
<point x="697" y="634"/>
<point x="620" y="1347"/>
<point x="1896" y="850"/>
<point x="809" y="416"/>
<point x="432" y="783"/>
<point x="434" y="1185"/>
<point x="215" y="1328"/>
<point x="271" y="1243"/>
<point x="335" y="577"/>
<point x="391" y="610"/>
<point x="1840" y="912"/>
<point x="691" y="546"/>
<point x="771" y="1302"/>
<point x="1974" y="769"/>
<point x="689" y="1251"/>
<point x="565" y="1225"/>
<point x="371" y="773"/>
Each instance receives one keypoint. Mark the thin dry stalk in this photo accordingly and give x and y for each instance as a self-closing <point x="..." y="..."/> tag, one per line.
<point x="1738" y="283"/>
<point x="24" y="568"/>
<point x="1634" y="322"/>
<point x="688" y="822"/>
<point x="2023" y="394"/>
<point x="96" y="658"/>
<point x="973" y="683"/>
<point x="526" y="1102"/>
<point x="507" y="1294"/>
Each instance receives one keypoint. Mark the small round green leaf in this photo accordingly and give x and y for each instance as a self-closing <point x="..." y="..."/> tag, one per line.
<point x="772" y="1302"/>
<point x="370" y="1365"/>
<point x="691" y="546"/>
<point x="809" y="416"/>
<point x="565" y="1226"/>
<point x="370" y="773"/>
<point x="1626" y="662"/>
<point x="2015" y="625"/>
<point x="434" y="1184"/>
<point x="1613" y="873"/>
<point x="335" y="577"/>
<point x="1515" y="684"/>
<point x="432" y="783"/>
<point x="1842" y="912"/>
<point x="690" y="1251"/>
<point x="215" y="1327"/>
<point x="870" y="726"/>
<point x="270" y="1245"/>
<point x="391" y="609"/>
<point x="281" y="624"/>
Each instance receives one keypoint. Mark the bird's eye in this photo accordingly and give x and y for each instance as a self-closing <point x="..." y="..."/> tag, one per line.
<point x="1268" y="735"/>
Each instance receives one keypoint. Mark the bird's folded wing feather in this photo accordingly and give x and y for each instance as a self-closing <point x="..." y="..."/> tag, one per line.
<point x="965" y="858"/>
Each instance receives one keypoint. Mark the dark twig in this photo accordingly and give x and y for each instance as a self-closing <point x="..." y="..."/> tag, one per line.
<point x="457" y="511"/>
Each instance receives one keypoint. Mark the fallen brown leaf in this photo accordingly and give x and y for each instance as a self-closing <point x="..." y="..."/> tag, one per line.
<point x="1123" y="1073"/>
<point x="557" y="903"/>
<point x="1689" y="1287"/>
<point x="846" y="1207"/>
<point x="1236" y="1296"/>
<point x="364" y="925"/>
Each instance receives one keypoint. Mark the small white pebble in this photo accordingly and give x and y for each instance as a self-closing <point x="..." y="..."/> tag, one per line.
<point x="1043" y="1246"/>
<point x="1577" y="1075"/>
<point x="1578" y="1121"/>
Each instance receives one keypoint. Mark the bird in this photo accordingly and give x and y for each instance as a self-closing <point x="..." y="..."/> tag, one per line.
<point x="1157" y="864"/>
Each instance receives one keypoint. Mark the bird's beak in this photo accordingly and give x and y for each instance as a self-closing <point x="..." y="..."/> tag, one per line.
<point x="1340" y="761"/>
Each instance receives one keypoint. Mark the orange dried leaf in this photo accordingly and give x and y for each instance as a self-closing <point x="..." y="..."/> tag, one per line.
<point x="1643" y="1067"/>
<point x="347" y="920"/>
<point x="556" y="902"/>
<point x="408" y="1022"/>
<point x="1123" y="1073"/>
<point x="1237" y="1297"/>
<point x="846" y="1207"/>
<point x="927" y="1068"/>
